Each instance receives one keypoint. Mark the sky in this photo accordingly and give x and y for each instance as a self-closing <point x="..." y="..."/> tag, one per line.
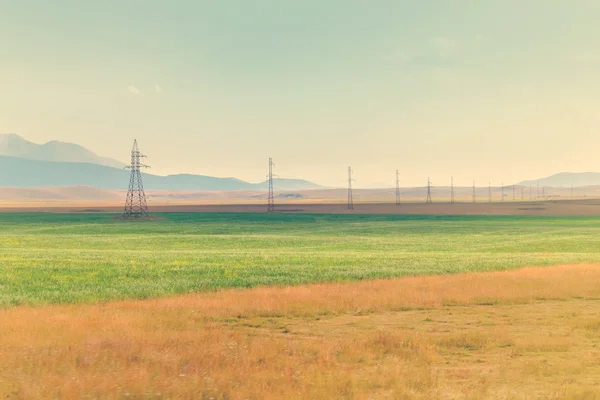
<point x="488" y="90"/>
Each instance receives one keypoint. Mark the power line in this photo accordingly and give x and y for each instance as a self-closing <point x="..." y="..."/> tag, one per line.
<point x="135" y="203"/>
<point x="397" y="188"/>
<point x="350" y="199"/>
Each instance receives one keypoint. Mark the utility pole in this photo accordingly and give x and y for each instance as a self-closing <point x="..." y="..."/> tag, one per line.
<point x="544" y="192"/>
<point x="522" y="193"/>
<point x="572" y="191"/>
<point x="502" y="190"/>
<point x="350" y="199"/>
<point x="135" y="203"/>
<point x="513" y="192"/>
<point x="451" y="190"/>
<point x="530" y="192"/>
<point x="474" y="195"/>
<point x="397" y="188"/>
<point x="537" y="193"/>
<point x="490" y="192"/>
<point x="428" y="200"/>
<point x="271" y="201"/>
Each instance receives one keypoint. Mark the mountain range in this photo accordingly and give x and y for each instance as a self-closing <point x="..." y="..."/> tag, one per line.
<point x="24" y="164"/>
<point x="566" y="179"/>
<point x="14" y="145"/>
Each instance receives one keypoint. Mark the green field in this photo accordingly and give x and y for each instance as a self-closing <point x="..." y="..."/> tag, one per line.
<point x="64" y="258"/>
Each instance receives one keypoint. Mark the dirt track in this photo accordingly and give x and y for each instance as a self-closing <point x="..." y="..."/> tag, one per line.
<point x="589" y="207"/>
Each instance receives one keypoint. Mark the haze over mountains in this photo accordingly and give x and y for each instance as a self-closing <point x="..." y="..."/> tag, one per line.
<point x="15" y="146"/>
<point x="58" y="164"/>
<point x="566" y="179"/>
<point x="25" y="164"/>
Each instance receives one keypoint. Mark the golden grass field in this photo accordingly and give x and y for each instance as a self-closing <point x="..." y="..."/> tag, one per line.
<point x="521" y="334"/>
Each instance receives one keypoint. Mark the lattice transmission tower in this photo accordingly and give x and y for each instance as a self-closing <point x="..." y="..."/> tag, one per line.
<point x="397" y="188"/>
<point x="271" y="198"/>
<point x="428" y="200"/>
<point x="350" y="199"/>
<point x="451" y="190"/>
<point x="530" y="192"/>
<point x="135" y="204"/>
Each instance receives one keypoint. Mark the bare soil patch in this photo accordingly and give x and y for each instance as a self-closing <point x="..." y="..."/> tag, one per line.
<point x="549" y="208"/>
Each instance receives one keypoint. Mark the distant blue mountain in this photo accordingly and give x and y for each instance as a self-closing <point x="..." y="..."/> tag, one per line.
<point x="15" y="146"/>
<point x="566" y="179"/>
<point x="26" y="173"/>
<point x="24" y="164"/>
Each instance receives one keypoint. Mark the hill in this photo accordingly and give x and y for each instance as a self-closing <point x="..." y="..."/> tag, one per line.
<point x="17" y="172"/>
<point x="566" y="179"/>
<point x="15" y="146"/>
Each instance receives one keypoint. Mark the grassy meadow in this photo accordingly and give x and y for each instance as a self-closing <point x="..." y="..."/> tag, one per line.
<point x="459" y="321"/>
<point x="74" y="258"/>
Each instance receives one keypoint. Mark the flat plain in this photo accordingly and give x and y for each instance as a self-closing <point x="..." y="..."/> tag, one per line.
<point x="297" y="305"/>
<point x="70" y="258"/>
<point x="326" y="205"/>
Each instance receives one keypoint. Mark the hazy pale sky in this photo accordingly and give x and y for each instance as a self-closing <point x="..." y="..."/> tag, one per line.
<point x="485" y="90"/>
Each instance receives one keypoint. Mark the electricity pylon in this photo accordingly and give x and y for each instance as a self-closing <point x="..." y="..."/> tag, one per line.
<point x="271" y="200"/>
<point x="530" y="192"/>
<point x="135" y="203"/>
<point x="350" y="198"/>
<point x="428" y="200"/>
<point x="397" y="188"/>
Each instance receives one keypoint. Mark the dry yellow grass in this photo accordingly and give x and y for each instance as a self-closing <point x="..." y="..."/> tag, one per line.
<point x="530" y="333"/>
